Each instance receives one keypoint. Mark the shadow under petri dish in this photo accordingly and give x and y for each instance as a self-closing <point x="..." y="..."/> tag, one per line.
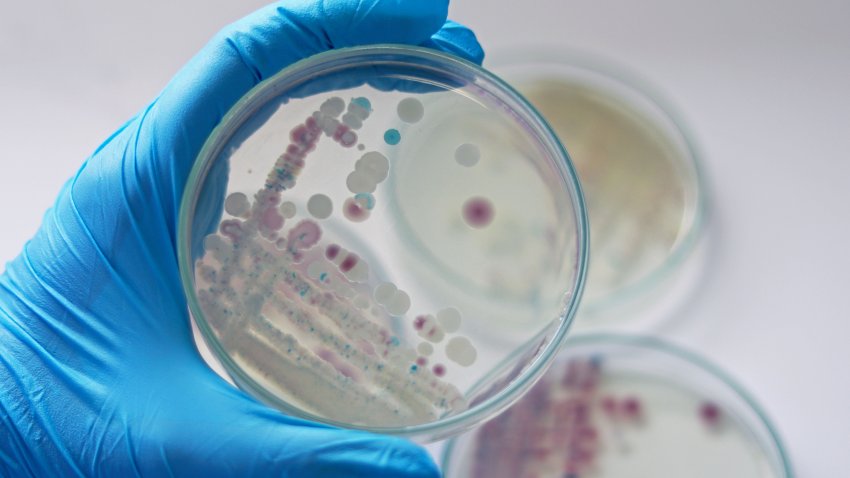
<point x="620" y="406"/>
<point x="638" y="173"/>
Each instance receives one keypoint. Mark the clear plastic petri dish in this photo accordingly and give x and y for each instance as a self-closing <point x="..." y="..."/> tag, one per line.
<point x="622" y="406"/>
<point x="639" y="170"/>
<point x="306" y="255"/>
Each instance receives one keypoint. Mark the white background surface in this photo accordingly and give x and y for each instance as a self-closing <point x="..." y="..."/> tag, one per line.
<point x="762" y="84"/>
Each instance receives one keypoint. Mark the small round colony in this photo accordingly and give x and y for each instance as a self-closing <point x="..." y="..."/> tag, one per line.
<point x="319" y="206"/>
<point x="410" y="110"/>
<point x="467" y="155"/>
<point x="392" y="137"/>
<point x="237" y="204"/>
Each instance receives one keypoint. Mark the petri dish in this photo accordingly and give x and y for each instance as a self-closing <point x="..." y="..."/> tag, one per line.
<point x="639" y="169"/>
<point x="301" y="264"/>
<point x="622" y="406"/>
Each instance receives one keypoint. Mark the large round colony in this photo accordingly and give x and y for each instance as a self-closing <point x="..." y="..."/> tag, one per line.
<point x="308" y="315"/>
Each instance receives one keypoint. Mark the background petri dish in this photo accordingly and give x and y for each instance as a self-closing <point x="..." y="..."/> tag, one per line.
<point x="304" y="256"/>
<point x="623" y="406"/>
<point x="638" y="168"/>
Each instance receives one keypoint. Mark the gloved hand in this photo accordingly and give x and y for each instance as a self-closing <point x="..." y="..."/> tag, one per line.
<point x="98" y="372"/>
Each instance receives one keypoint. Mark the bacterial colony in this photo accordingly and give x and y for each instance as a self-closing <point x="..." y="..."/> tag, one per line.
<point x="306" y="317"/>
<point x="581" y="421"/>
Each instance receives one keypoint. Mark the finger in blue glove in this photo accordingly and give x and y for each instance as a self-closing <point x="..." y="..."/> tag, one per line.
<point x="98" y="372"/>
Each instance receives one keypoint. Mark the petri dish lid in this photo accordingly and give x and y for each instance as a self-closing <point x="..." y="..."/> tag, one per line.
<point x="640" y="172"/>
<point x="621" y="405"/>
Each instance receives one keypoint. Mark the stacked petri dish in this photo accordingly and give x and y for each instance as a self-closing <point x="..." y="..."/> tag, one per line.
<point x="386" y="238"/>
<point x="618" y="403"/>
<point x="622" y="406"/>
<point x="639" y="169"/>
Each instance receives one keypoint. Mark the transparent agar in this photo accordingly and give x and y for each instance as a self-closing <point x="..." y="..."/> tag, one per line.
<point x="619" y="407"/>
<point x="637" y="167"/>
<point x="300" y="265"/>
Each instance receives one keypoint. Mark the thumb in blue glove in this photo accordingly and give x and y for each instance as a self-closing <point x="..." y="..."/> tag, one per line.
<point x="98" y="372"/>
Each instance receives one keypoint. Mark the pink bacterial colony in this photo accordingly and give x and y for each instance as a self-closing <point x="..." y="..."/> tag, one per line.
<point x="300" y="314"/>
<point x="555" y="430"/>
<point x="478" y="212"/>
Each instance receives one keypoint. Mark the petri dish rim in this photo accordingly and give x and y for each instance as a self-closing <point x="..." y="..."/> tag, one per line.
<point x="656" y="345"/>
<point x="628" y="80"/>
<point x="234" y="118"/>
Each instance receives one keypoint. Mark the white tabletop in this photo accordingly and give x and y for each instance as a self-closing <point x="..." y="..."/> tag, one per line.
<point x="762" y="84"/>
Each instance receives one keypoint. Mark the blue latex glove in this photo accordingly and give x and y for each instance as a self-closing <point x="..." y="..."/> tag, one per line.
<point x="98" y="371"/>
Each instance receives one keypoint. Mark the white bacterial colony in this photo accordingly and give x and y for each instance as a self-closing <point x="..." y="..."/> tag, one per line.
<point x="305" y="317"/>
<point x="467" y="155"/>
<point x="449" y="319"/>
<point x="396" y="302"/>
<point x="287" y="209"/>
<point x="319" y="206"/>
<point x="410" y="110"/>
<point x="461" y="351"/>
<point x="237" y="204"/>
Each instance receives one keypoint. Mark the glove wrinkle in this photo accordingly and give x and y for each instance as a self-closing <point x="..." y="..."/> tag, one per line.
<point x="235" y="45"/>
<point x="311" y="40"/>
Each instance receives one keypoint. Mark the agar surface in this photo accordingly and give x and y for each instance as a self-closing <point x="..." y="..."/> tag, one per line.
<point x="308" y="315"/>
<point x="576" y="422"/>
<point x="635" y="178"/>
